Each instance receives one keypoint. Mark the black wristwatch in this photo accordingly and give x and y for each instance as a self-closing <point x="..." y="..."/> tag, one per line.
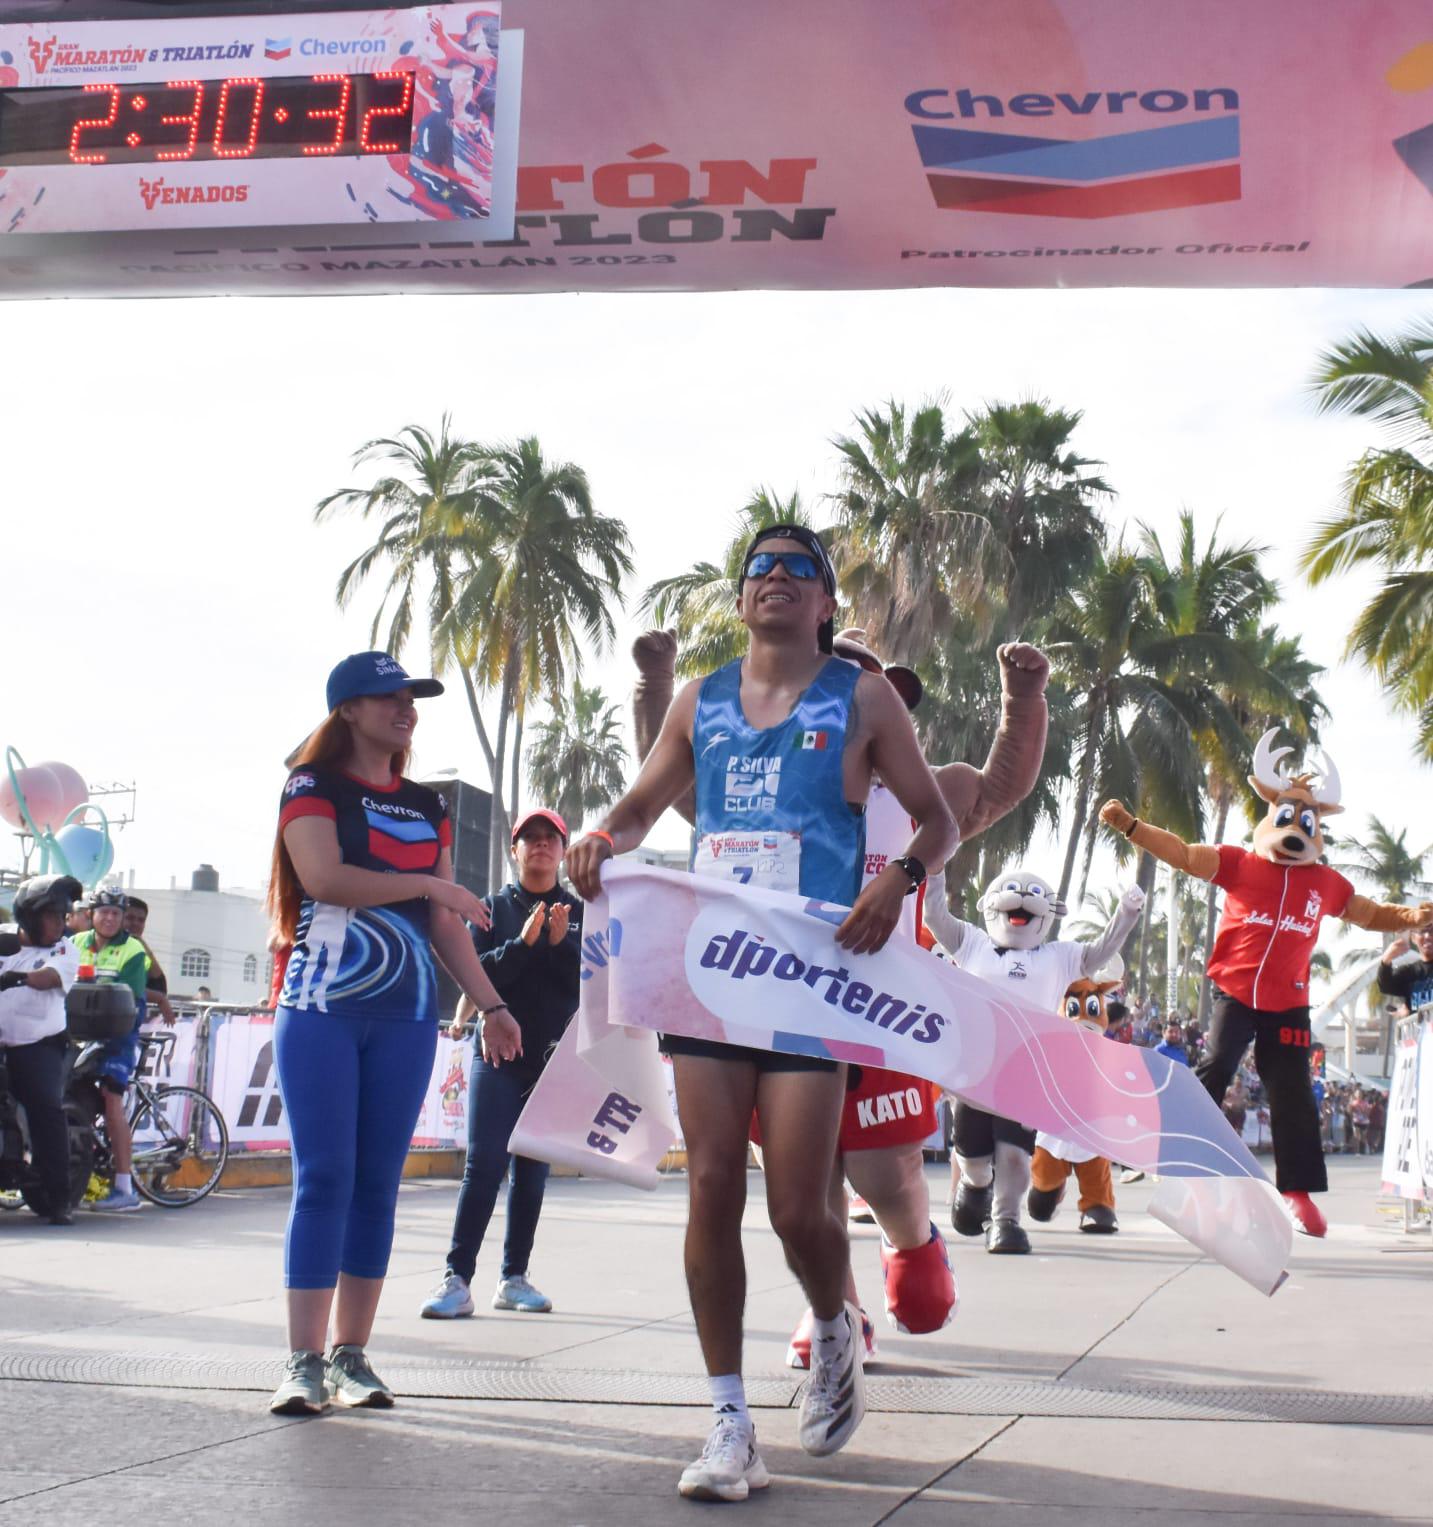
<point x="914" y="868"/>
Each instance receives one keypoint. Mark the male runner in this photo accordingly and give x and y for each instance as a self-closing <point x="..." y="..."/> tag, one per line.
<point x="784" y="743"/>
<point x="880" y="1148"/>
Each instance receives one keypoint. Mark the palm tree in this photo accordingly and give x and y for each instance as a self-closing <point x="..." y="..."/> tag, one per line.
<point x="1387" y="517"/>
<point x="544" y="589"/>
<point x="1042" y="501"/>
<point x="432" y="528"/>
<point x="702" y="603"/>
<point x="1384" y="859"/>
<point x="910" y="544"/>
<point x="1136" y="729"/>
<point x="577" y="760"/>
<point x="985" y="524"/>
<point x="950" y="541"/>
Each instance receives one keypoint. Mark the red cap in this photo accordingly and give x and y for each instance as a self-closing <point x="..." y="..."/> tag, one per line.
<point x="539" y="813"/>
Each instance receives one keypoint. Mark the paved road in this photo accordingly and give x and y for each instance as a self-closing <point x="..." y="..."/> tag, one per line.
<point x="1098" y="1382"/>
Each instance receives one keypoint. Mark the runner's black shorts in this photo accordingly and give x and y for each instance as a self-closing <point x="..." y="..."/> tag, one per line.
<point x="763" y="1060"/>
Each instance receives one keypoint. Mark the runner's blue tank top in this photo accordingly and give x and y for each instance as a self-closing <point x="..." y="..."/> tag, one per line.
<point x="766" y="795"/>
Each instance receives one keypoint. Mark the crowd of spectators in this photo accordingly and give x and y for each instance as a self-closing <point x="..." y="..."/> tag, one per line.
<point x="1353" y="1116"/>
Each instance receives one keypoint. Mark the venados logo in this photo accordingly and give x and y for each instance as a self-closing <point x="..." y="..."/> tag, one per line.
<point x="1188" y="163"/>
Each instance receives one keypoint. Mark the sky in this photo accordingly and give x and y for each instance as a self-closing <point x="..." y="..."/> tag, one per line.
<point x="164" y="458"/>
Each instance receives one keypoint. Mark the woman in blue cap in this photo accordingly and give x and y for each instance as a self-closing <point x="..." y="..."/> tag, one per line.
<point x="362" y="887"/>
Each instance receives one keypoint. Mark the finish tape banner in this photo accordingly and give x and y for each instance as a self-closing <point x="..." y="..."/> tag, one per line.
<point x="752" y="967"/>
<point x="830" y="144"/>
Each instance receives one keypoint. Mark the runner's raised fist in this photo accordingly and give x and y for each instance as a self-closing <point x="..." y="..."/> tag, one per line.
<point x="1024" y="670"/>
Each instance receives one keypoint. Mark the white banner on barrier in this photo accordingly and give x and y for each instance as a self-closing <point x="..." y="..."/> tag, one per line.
<point x="1408" y="1136"/>
<point x="245" y="1085"/>
<point x="176" y="1064"/>
<point x="443" y="1123"/>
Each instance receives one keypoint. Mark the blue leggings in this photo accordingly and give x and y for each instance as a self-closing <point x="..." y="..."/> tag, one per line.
<point x="353" y="1089"/>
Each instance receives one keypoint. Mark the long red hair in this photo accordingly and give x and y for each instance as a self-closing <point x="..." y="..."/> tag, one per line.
<point x="330" y="746"/>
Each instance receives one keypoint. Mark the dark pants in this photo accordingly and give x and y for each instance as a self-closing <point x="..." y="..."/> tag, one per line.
<point x="495" y="1099"/>
<point x="1281" y="1053"/>
<point x="977" y="1132"/>
<point x="37" y="1078"/>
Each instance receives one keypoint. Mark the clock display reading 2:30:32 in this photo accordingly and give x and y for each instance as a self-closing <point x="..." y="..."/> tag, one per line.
<point x="244" y="117"/>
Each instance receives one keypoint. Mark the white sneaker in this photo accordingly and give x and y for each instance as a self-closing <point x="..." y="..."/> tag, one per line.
<point x="729" y="1468"/>
<point x="835" y="1399"/>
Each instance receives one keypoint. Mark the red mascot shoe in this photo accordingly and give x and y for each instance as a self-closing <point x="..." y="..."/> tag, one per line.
<point x="798" y="1352"/>
<point x="920" y="1287"/>
<point x="1307" y="1214"/>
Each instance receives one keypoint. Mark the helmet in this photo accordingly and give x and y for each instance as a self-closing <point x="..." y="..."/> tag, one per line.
<point x="44" y="893"/>
<point x="108" y="896"/>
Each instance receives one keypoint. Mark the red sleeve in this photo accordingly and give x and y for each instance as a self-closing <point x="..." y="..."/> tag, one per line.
<point x="305" y="796"/>
<point x="1338" y="892"/>
<point x="1231" y="861"/>
<point x="445" y="833"/>
<point x="306" y="806"/>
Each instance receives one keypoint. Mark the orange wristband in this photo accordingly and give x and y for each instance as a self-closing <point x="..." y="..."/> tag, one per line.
<point x="596" y="832"/>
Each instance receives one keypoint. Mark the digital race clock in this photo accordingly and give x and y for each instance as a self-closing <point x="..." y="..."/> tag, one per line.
<point x="317" y="119"/>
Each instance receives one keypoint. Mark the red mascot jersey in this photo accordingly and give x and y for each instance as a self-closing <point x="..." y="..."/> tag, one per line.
<point x="1269" y="925"/>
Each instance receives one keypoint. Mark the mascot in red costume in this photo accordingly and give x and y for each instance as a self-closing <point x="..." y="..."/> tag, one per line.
<point x="1275" y="898"/>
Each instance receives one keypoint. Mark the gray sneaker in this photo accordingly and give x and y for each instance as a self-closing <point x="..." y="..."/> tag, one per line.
<point x="352" y="1381"/>
<point x="301" y="1393"/>
<point x="518" y="1294"/>
<point x="451" y="1300"/>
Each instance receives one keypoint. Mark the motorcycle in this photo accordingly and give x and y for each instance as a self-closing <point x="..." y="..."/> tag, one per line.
<point x="19" y="1182"/>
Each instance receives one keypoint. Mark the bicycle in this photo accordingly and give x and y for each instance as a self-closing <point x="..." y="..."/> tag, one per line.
<point x="181" y="1142"/>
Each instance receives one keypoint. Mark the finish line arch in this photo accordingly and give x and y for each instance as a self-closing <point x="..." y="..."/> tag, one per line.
<point x="800" y="144"/>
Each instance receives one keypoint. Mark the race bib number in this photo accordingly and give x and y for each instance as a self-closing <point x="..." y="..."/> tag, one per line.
<point x="768" y="859"/>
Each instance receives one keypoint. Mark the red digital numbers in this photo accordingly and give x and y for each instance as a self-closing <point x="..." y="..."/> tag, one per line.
<point x="315" y="116"/>
<point x="97" y="158"/>
<point x="365" y="136"/>
<point x="189" y="119"/>
<point x="339" y="113"/>
<point x="256" y="107"/>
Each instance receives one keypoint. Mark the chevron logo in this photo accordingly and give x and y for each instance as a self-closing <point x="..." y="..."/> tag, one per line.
<point x="1184" y="164"/>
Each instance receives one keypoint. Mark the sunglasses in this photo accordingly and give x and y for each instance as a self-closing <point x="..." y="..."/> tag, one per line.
<point x="798" y="564"/>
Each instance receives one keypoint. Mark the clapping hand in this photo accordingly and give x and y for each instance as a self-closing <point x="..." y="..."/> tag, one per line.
<point x="532" y="928"/>
<point x="558" y="915"/>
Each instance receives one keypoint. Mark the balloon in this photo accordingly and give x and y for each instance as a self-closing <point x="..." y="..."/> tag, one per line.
<point x="74" y="791"/>
<point x="88" y="852"/>
<point x="43" y="796"/>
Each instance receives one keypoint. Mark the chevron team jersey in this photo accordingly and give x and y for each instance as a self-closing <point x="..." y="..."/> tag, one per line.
<point x="771" y="804"/>
<point x="367" y="962"/>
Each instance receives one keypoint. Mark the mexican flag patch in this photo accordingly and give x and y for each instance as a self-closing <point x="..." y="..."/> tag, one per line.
<point x="805" y="741"/>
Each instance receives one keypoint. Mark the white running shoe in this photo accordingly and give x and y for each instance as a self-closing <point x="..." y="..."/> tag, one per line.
<point x="729" y="1468"/>
<point x="835" y="1399"/>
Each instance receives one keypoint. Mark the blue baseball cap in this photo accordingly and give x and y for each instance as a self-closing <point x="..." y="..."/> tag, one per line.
<point x="374" y="673"/>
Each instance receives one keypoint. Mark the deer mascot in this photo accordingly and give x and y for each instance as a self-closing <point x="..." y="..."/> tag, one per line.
<point x="1056" y="1159"/>
<point x="1275" y="897"/>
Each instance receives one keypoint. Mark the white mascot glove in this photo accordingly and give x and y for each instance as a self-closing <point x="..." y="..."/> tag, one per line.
<point x="1133" y="899"/>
